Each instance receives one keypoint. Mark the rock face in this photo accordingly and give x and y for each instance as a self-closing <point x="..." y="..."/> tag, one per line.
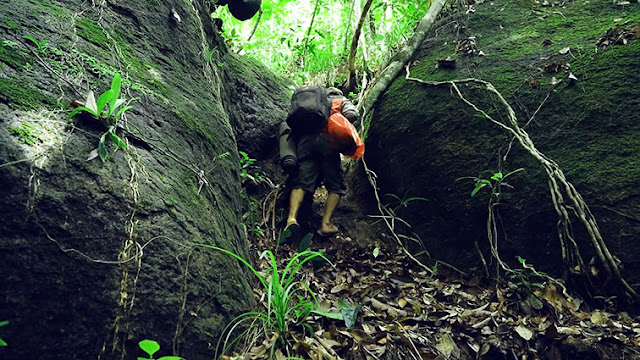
<point x="422" y="139"/>
<point x="256" y="105"/>
<point x="98" y="256"/>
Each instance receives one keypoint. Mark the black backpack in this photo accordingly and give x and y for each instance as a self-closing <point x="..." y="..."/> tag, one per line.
<point x="310" y="109"/>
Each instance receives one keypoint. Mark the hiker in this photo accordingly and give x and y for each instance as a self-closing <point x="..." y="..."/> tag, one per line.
<point x="317" y="161"/>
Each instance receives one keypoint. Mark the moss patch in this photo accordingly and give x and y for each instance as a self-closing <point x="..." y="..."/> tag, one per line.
<point x="422" y="139"/>
<point x="13" y="55"/>
<point x="90" y="31"/>
<point x="23" y="96"/>
<point x="27" y="133"/>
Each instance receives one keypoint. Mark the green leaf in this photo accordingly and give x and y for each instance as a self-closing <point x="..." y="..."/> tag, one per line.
<point x="121" y="111"/>
<point x="115" y="89"/>
<point x="29" y="37"/>
<point x="149" y="346"/>
<point x="480" y="115"/>
<point x="376" y="252"/>
<point x="3" y="323"/>
<point x="102" y="151"/>
<point x="335" y="316"/>
<point x="513" y="172"/>
<point x="103" y="100"/>
<point x="82" y="108"/>
<point x="2" y="342"/>
<point x="116" y="139"/>
<point x="284" y="235"/>
<point x="350" y="315"/>
<point x="305" y="242"/>
<point x="141" y="358"/>
<point x="170" y="358"/>
<point x="479" y="185"/>
<point x="497" y="176"/>
<point x="535" y="302"/>
<point x="116" y="105"/>
<point x="521" y="260"/>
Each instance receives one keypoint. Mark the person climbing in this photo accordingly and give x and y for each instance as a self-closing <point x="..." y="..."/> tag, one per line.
<point x="317" y="162"/>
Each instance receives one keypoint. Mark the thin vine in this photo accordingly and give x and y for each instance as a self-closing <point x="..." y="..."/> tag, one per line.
<point x="565" y="197"/>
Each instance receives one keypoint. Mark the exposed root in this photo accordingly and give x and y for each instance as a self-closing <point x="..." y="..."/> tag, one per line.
<point x="565" y="197"/>
<point x="372" y="179"/>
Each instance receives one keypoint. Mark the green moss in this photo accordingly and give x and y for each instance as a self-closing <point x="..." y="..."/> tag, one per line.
<point x="27" y="133"/>
<point x="90" y="32"/>
<point x="13" y="55"/>
<point x="23" y="96"/>
<point x="8" y="23"/>
<point x="49" y="7"/>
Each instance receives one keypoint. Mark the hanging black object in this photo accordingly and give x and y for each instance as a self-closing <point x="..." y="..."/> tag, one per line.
<point x="244" y="9"/>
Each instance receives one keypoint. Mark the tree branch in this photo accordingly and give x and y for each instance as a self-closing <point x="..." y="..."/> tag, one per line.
<point x="389" y="74"/>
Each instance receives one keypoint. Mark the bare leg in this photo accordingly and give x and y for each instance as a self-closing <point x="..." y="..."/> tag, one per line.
<point x="332" y="202"/>
<point x="297" y="195"/>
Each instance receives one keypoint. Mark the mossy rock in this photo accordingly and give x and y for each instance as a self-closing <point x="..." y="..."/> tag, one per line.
<point x="423" y="139"/>
<point x="102" y="255"/>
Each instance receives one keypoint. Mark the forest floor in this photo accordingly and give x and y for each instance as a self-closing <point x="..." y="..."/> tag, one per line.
<point x="398" y="309"/>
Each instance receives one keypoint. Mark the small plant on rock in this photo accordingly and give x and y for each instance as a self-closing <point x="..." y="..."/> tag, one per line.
<point x="495" y="182"/>
<point x="108" y="109"/>
<point x="40" y="44"/>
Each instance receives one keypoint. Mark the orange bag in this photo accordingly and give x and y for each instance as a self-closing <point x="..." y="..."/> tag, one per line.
<point x="342" y="134"/>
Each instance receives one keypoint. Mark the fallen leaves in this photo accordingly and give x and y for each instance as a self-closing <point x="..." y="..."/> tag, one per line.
<point x="620" y="35"/>
<point x="385" y="308"/>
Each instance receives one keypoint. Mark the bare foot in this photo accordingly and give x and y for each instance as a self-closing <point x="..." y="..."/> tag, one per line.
<point x="328" y="229"/>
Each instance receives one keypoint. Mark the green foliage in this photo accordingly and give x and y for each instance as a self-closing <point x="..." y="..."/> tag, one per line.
<point x="252" y="217"/>
<point x="249" y="171"/>
<point x="392" y="210"/>
<point x="3" y="323"/>
<point x="494" y="182"/>
<point x="280" y="40"/>
<point x="245" y="163"/>
<point x="109" y="109"/>
<point x="151" y="347"/>
<point x="40" y="44"/>
<point x="289" y="301"/>
<point x="523" y="281"/>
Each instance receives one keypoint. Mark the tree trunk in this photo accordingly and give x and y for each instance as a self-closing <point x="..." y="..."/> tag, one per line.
<point x="382" y="81"/>
<point x="351" y="80"/>
<point x="346" y="34"/>
<point x="306" y="37"/>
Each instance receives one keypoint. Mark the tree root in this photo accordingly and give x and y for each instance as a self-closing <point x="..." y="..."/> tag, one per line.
<point x="565" y="197"/>
<point x="372" y="179"/>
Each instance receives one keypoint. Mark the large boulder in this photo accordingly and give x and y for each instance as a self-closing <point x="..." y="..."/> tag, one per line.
<point x="256" y="101"/>
<point x="98" y="256"/>
<point x="423" y="139"/>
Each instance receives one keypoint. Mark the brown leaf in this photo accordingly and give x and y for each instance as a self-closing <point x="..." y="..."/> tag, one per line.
<point x="378" y="305"/>
<point x="340" y="287"/>
<point x="402" y="303"/>
<point x="524" y="332"/>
